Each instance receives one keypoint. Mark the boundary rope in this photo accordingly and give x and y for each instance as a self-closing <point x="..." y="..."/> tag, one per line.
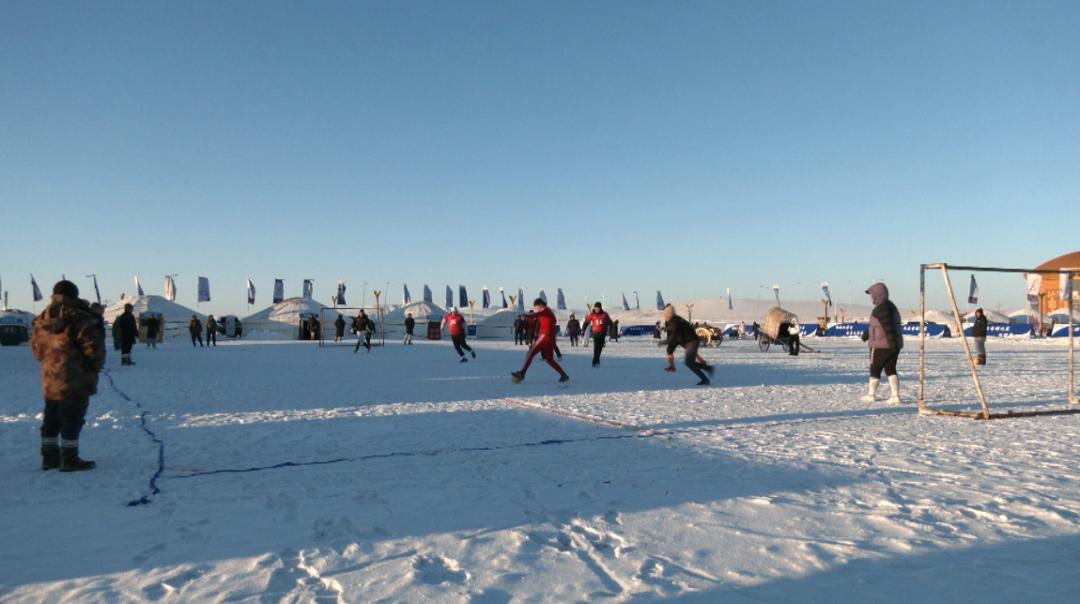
<point x="154" y="490"/>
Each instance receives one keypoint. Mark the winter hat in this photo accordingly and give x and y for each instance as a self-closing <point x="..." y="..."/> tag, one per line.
<point x="598" y="305"/>
<point x="65" y="288"/>
<point x="539" y="302"/>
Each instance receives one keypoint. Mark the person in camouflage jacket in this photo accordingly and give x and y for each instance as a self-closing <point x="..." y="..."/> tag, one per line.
<point x="69" y="343"/>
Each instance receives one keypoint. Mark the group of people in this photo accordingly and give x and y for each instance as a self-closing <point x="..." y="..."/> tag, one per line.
<point x="69" y="343"/>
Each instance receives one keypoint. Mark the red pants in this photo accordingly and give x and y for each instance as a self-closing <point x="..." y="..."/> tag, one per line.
<point x="545" y="347"/>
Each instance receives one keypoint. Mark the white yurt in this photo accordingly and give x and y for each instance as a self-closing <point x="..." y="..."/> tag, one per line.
<point x="499" y="326"/>
<point x="423" y="312"/>
<point x="282" y="320"/>
<point x="175" y="317"/>
<point x="1020" y="317"/>
<point x="992" y="316"/>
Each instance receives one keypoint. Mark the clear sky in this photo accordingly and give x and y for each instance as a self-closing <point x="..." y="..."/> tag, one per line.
<point x="595" y="146"/>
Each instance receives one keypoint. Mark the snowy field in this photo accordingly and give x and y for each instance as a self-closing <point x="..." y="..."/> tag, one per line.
<point x="299" y="474"/>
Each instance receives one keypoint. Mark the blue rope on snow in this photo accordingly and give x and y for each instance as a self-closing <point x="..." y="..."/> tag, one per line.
<point x="154" y="490"/>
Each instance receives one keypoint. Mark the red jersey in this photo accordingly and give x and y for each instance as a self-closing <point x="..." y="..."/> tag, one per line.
<point x="456" y="323"/>
<point x="599" y="322"/>
<point x="546" y="323"/>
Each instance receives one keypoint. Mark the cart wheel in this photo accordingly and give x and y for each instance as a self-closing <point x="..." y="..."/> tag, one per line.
<point x="763" y="344"/>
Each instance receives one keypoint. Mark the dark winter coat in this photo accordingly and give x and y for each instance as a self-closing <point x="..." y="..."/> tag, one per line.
<point x="573" y="328"/>
<point x="978" y="328"/>
<point x="211" y="325"/>
<point x="519" y="325"/>
<point x="885" y="331"/>
<point x="410" y="324"/>
<point x="194" y="327"/>
<point x="152" y="328"/>
<point x="69" y="342"/>
<point x="679" y="333"/>
<point x="339" y="327"/>
<point x="127" y="331"/>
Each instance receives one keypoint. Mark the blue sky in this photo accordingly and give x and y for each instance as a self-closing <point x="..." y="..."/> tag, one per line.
<point x="598" y="147"/>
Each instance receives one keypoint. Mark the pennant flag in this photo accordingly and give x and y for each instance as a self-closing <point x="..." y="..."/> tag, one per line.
<point x="428" y="298"/>
<point x="973" y="291"/>
<point x="502" y="292"/>
<point x="543" y="295"/>
<point x="560" y="300"/>
<point x="251" y="291"/>
<point x="1066" y="286"/>
<point x="97" y="292"/>
<point x="449" y="298"/>
<point x="521" y="301"/>
<point x="776" y="292"/>
<point x="625" y="304"/>
<point x="339" y="299"/>
<point x="170" y="288"/>
<point x="37" y="290"/>
<point x="486" y="298"/>
<point x="659" y="301"/>
<point x="463" y="298"/>
<point x="138" y="287"/>
<point x="637" y="301"/>
<point x="308" y="289"/>
<point x="279" y="291"/>
<point x="828" y="296"/>
<point x="1034" y="284"/>
<point x="406" y="297"/>
<point x="730" y="303"/>
<point x="204" y="289"/>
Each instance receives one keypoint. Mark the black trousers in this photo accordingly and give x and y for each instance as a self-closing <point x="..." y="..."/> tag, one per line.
<point x="459" y="344"/>
<point x="883" y="359"/>
<point x="597" y="347"/>
<point x="793" y="346"/>
<point x="364" y="340"/>
<point x="692" y="362"/>
<point x="125" y="348"/>
<point x="211" y="337"/>
<point x="64" y="419"/>
<point x="196" y="337"/>
<point x="573" y="340"/>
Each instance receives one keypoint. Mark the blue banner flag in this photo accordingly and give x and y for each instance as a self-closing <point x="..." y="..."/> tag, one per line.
<point x="973" y="291"/>
<point x="521" y="301"/>
<point x="463" y="298"/>
<point x="502" y="292"/>
<point x="309" y="289"/>
<point x="560" y="300"/>
<point x="828" y="296"/>
<point x="204" y="289"/>
<point x="340" y="298"/>
<point x="428" y="297"/>
<point x="449" y="298"/>
<point x="659" y="301"/>
<point x="406" y="297"/>
<point x="251" y="291"/>
<point x="730" y="303"/>
<point x="486" y="299"/>
<point x="279" y="291"/>
<point x="37" y="290"/>
<point x="625" y="304"/>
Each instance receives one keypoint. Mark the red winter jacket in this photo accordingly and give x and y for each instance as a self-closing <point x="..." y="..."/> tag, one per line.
<point x="546" y="324"/>
<point x="600" y="321"/>
<point x="456" y="323"/>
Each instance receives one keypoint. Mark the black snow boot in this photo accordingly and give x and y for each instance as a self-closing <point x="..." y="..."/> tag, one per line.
<point x="50" y="455"/>
<point x="71" y="462"/>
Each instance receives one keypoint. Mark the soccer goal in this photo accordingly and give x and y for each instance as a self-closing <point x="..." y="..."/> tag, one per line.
<point x="1067" y="277"/>
<point x="328" y="330"/>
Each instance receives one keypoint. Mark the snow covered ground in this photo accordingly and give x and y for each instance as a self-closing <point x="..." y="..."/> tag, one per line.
<point x="299" y="474"/>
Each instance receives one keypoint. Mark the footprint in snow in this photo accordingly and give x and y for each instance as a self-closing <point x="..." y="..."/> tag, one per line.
<point x="436" y="570"/>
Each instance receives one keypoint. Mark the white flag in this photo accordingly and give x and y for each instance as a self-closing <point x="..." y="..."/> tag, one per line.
<point x="138" y="287"/>
<point x="170" y="289"/>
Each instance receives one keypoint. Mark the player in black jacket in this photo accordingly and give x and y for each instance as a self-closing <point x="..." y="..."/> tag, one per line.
<point x="681" y="333"/>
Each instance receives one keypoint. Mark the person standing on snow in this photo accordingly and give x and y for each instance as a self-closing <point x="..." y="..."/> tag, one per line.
<point x="573" y="329"/>
<point x="455" y="322"/>
<point x="681" y="333"/>
<point x="69" y="343"/>
<point x="364" y="327"/>
<point x="600" y="322"/>
<point x="793" y="334"/>
<point x="544" y="345"/>
<point x="195" y="329"/>
<point x="153" y="325"/>
<point x="886" y="340"/>
<point x="128" y="331"/>
<point x="519" y="330"/>
<point x="211" y="331"/>
<point x="978" y="333"/>
<point x="410" y="325"/>
<point x="339" y="328"/>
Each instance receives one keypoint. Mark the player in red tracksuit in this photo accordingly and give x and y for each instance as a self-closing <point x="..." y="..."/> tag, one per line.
<point x="544" y="345"/>
<point x="600" y="322"/>
<point x="456" y="323"/>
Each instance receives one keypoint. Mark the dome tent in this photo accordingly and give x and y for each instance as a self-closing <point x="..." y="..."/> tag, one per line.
<point x="282" y="320"/>
<point x="175" y="317"/>
<point x="423" y="312"/>
<point x="499" y="325"/>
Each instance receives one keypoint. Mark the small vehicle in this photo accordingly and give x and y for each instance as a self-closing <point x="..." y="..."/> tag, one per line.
<point x="711" y="337"/>
<point x="775" y="331"/>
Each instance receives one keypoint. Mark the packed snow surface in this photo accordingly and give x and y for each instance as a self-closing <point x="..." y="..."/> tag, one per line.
<point x="293" y="473"/>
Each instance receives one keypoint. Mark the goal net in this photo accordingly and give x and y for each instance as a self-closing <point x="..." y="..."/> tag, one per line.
<point x="348" y="327"/>
<point x="1053" y="301"/>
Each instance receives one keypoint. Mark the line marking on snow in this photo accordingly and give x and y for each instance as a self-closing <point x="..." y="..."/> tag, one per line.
<point x="154" y="490"/>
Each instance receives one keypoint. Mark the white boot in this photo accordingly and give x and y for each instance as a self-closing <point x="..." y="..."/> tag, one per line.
<point x="894" y="386"/>
<point x="872" y="396"/>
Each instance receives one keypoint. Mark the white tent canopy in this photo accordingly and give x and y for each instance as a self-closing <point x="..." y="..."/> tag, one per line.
<point x="498" y="326"/>
<point x="281" y="319"/>
<point x="175" y="316"/>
